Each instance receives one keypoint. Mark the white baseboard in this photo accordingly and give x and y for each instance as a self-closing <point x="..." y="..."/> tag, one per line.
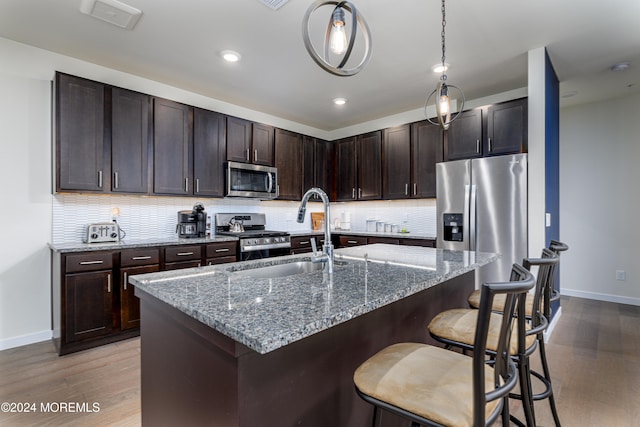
<point x="552" y="324"/>
<point x="600" y="297"/>
<point x="8" y="343"/>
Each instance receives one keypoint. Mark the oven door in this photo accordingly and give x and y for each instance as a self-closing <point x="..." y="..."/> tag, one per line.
<point x="251" y="181"/>
<point x="264" y="253"/>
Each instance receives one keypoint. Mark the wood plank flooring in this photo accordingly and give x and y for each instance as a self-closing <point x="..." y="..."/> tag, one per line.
<point x="594" y="354"/>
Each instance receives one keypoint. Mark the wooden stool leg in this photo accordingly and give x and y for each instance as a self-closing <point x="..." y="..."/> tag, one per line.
<point x="547" y="375"/>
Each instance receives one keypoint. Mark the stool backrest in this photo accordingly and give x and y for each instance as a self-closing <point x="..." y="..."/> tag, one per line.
<point x="547" y="265"/>
<point x="521" y="281"/>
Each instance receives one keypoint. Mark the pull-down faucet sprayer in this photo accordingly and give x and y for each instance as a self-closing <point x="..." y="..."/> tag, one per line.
<point x="327" y="248"/>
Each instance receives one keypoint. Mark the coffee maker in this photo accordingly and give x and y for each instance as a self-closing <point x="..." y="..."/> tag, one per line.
<point x="192" y="223"/>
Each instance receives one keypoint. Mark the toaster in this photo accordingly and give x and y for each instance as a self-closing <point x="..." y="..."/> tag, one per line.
<point x="102" y="232"/>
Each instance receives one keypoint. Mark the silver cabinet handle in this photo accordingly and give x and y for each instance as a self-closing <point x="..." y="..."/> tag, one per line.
<point x="100" y="179"/>
<point x="90" y="262"/>
<point x="222" y="250"/>
<point x="359" y="193"/>
<point x="352" y="241"/>
<point x="186" y="185"/>
<point x="277" y="191"/>
<point x="184" y="253"/>
<point x="125" y="281"/>
<point x="255" y="155"/>
<point x="477" y="145"/>
<point x="415" y="189"/>
<point x="197" y="185"/>
<point x="490" y="145"/>
<point x="248" y="159"/>
<point x="109" y="282"/>
<point x="115" y="180"/>
<point x="303" y="242"/>
<point x="353" y="193"/>
<point x="406" y="189"/>
<point x="139" y="258"/>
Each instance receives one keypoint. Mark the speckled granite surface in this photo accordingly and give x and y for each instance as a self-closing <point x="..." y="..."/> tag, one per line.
<point x="127" y="244"/>
<point x="268" y="313"/>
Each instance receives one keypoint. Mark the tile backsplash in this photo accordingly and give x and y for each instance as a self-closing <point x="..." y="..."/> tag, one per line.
<point x="144" y="217"/>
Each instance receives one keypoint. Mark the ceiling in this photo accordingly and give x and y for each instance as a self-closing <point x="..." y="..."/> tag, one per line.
<point x="179" y="43"/>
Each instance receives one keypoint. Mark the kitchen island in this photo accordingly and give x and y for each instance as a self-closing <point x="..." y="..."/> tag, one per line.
<point x="241" y="345"/>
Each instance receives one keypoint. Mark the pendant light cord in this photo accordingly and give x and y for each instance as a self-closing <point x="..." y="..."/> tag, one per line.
<point x="444" y="23"/>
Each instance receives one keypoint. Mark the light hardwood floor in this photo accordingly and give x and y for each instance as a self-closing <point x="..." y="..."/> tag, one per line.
<point x="594" y="354"/>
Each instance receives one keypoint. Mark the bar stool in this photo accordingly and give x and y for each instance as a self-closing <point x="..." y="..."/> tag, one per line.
<point x="455" y="328"/>
<point x="432" y="386"/>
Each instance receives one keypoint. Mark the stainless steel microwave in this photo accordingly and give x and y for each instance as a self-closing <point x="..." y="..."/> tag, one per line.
<point x="251" y="181"/>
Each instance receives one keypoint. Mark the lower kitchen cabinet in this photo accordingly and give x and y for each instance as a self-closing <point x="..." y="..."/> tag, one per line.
<point x="177" y="257"/>
<point x="302" y="244"/>
<point x="88" y="302"/>
<point x="134" y="261"/>
<point x="346" y="241"/>
<point x="221" y="253"/>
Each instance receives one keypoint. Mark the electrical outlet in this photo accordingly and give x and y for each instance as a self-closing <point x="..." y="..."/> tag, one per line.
<point x="621" y="275"/>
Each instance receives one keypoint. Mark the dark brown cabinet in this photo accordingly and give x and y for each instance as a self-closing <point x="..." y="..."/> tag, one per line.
<point x="487" y="131"/>
<point x="177" y="257"/>
<point x="316" y="166"/>
<point x="221" y="253"/>
<point x="172" y="148"/>
<point x="427" y="147"/>
<point x="359" y="167"/>
<point x="249" y="142"/>
<point x="302" y="244"/>
<point x="134" y="261"/>
<point x="209" y="153"/>
<point x="130" y="113"/>
<point x="347" y="241"/>
<point x="79" y="134"/>
<point x="396" y="146"/>
<point x="288" y="147"/>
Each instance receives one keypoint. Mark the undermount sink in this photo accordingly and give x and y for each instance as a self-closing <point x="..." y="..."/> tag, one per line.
<point x="283" y="270"/>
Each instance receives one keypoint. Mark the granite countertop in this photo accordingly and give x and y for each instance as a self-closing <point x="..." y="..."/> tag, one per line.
<point x="409" y="235"/>
<point x="137" y="243"/>
<point x="266" y="314"/>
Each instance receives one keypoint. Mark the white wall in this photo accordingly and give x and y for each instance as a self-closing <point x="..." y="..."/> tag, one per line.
<point x="600" y="199"/>
<point x="25" y="185"/>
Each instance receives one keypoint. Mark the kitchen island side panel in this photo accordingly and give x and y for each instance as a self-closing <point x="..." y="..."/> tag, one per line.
<point x="193" y="375"/>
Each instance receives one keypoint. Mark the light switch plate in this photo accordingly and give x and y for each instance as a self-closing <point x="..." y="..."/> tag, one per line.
<point x="547" y="219"/>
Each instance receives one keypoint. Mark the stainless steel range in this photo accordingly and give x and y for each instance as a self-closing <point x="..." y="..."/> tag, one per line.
<point x="255" y="241"/>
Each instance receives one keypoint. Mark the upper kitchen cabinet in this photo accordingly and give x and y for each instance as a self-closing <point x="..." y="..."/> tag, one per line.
<point x="288" y="156"/>
<point x="410" y="154"/>
<point x="316" y="155"/>
<point x="79" y="133"/>
<point x="507" y="128"/>
<point x="209" y="153"/>
<point x="172" y="148"/>
<point x="359" y="167"/>
<point x="427" y="146"/>
<point x="130" y="113"/>
<point x="488" y="131"/>
<point x="249" y="142"/>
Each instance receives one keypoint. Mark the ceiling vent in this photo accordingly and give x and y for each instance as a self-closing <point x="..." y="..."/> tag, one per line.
<point x="274" y="4"/>
<point x="112" y="11"/>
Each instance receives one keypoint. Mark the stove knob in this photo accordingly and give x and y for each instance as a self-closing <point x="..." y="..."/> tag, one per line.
<point x="114" y="235"/>
<point x="267" y="240"/>
<point x="94" y="235"/>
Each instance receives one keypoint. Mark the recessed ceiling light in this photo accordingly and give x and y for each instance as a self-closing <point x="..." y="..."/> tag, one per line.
<point x="340" y="101"/>
<point x="230" y="55"/>
<point x="438" y="68"/>
<point x="620" y="66"/>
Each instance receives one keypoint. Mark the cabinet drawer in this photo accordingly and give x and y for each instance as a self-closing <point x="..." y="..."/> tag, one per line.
<point x="182" y="253"/>
<point x="224" y="249"/>
<point x="221" y="260"/>
<point x="387" y="240"/>
<point x="352" y="241"/>
<point x="427" y="243"/>
<point x="89" y="261"/>
<point x="143" y="256"/>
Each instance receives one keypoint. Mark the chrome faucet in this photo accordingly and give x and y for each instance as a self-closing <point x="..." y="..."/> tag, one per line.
<point x="327" y="248"/>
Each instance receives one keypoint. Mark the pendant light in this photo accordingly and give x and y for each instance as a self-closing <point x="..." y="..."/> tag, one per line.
<point x="336" y="39"/>
<point x="441" y="95"/>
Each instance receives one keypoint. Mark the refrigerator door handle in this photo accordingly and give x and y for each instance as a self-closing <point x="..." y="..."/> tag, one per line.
<point x="472" y="217"/>
<point x="466" y="226"/>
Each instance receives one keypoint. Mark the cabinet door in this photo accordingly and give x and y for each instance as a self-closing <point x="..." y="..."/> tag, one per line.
<point x="262" y="142"/>
<point x="346" y="170"/>
<point x="369" y="157"/>
<point x="238" y="140"/>
<point x="80" y="147"/>
<point x="88" y="305"/>
<point x="397" y="162"/>
<point x="507" y="127"/>
<point x="289" y="164"/>
<point x="323" y="167"/>
<point x="309" y="163"/>
<point x="209" y="152"/>
<point x="426" y="151"/>
<point x="464" y="137"/>
<point x="129" y="302"/>
<point x="129" y="141"/>
<point x="172" y="145"/>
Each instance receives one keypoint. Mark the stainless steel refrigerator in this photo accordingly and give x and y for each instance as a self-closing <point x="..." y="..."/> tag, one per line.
<point x="482" y="206"/>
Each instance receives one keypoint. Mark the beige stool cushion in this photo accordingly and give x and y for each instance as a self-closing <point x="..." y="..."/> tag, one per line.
<point x="428" y="381"/>
<point x="498" y="302"/>
<point x="459" y="325"/>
